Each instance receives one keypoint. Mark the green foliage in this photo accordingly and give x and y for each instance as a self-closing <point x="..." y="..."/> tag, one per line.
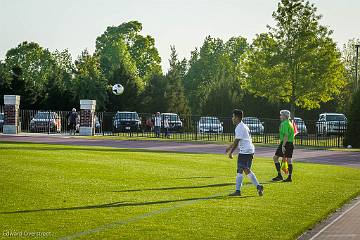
<point x="43" y="79"/>
<point x="128" y="58"/>
<point x="297" y="61"/>
<point x="5" y="80"/>
<point x="353" y="131"/>
<point x="59" y="94"/>
<point x="348" y="56"/>
<point x="118" y="67"/>
<point x="30" y="66"/>
<point x="174" y="96"/>
<point x="89" y="82"/>
<point x="153" y="95"/>
<point x="214" y="79"/>
<point x="141" y="48"/>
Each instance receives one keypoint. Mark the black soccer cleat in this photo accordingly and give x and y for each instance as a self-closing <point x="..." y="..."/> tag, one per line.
<point x="236" y="193"/>
<point x="277" y="178"/>
<point x="260" y="190"/>
<point x="288" y="180"/>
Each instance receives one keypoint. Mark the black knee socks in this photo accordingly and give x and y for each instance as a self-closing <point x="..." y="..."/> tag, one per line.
<point x="277" y="165"/>
<point x="290" y="169"/>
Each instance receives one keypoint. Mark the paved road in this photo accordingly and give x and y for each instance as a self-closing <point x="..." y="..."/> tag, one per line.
<point x="344" y="224"/>
<point x="350" y="159"/>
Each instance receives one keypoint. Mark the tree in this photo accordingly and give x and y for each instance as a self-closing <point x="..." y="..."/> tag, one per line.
<point x="353" y="131"/>
<point x="174" y="93"/>
<point x="118" y="66"/>
<point x="59" y="93"/>
<point x="153" y="95"/>
<point x="213" y="82"/>
<point x="297" y="61"/>
<point x="141" y="48"/>
<point x="30" y="66"/>
<point x="5" y="80"/>
<point x="348" y="56"/>
<point x="89" y="82"/>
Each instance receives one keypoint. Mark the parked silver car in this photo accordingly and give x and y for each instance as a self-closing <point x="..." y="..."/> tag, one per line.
<point x="210" y="125"/>
<point x="301" y="127"/>
<point x="254" y="124"/>
<point x="331" y="123"/>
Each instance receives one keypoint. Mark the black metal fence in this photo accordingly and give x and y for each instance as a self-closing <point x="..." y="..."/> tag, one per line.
<point x="186" y="128"/>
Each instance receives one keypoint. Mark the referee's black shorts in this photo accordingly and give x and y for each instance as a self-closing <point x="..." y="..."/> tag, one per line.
<point x="289" y="149"/>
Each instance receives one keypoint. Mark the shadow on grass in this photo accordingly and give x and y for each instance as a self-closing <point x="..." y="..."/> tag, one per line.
<point x="189" y="187"/>
<point x="185" y="178"/>
<point x="176" y="188"/>
<point x="88" y="147"/>
<point x="119" y="204"/>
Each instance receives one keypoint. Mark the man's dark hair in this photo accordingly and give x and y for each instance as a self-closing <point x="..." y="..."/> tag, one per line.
<point x="238" y="113"/>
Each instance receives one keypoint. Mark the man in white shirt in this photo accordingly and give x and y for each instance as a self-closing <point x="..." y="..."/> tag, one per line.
<point x="246" y="153"/>
<point x="157" y="124"/>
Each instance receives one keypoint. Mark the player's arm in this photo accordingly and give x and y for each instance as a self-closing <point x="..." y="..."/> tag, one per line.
<point x="232" y="147"/>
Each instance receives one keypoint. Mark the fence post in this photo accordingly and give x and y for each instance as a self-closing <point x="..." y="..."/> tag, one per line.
<point x="87" y="110"/>
<point x="11" y="114"/>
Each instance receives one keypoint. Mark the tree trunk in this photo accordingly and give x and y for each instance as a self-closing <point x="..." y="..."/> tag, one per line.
<point x="293" y="92"/>
<point x="292" y="110"/>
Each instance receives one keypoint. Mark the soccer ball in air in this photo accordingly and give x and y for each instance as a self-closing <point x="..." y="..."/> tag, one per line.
<point x="117" y="89"/>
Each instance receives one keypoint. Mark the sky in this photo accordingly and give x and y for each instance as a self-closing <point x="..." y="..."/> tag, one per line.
<point x="75" y="24"/>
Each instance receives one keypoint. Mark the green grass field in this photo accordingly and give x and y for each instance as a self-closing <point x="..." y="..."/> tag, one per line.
<point x="108" y="193"/>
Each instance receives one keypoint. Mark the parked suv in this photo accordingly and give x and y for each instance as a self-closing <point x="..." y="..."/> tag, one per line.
<point x="126" y="122"/>
<point x="254" y="125"/>
<point x="45" y="122"/>
<point x="175" y="123"/>
<point x="331" y="123"/>
<point x="210" y="125"/>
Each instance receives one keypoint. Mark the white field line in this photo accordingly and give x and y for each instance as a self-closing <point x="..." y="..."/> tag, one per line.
<point x="335" y="220"/>
<point x="135" y="218"/>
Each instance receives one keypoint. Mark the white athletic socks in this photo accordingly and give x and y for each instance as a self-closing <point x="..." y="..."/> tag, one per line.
<point x="253" y="179"/>
<point x="239" y="179"/>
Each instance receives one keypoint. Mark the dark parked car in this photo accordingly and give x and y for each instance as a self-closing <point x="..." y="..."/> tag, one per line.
<point x="175" y="123"/>
<point x="1" y="121"/>
<point x="126" y="122"/>
<point x="45" y="122"/>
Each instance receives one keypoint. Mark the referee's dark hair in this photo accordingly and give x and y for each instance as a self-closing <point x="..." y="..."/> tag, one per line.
<point x="238" y="113"/>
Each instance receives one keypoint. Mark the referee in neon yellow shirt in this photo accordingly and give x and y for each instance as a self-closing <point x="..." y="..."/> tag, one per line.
<point x="286" y="146"/>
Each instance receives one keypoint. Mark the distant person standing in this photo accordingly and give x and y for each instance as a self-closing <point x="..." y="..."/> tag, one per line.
<point x="73" y="120"/>
<point x="149" y="124"/>
<point x="167" y="127"/>
<point x="157" y="124"/>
